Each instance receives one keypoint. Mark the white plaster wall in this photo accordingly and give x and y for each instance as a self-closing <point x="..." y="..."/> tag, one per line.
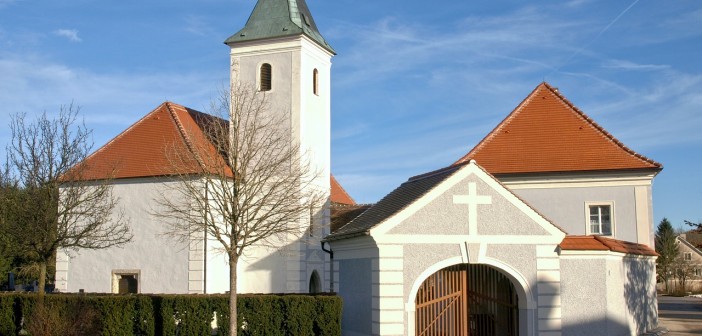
<point x="161" y="261"/>
<point x="617" y="311"/>
<point x="566" y="208"/>
<point x="608" y="294"/>
<point x="639" y="297"/>
<point x="443" y="216"/>
<point x="584" y="296"/>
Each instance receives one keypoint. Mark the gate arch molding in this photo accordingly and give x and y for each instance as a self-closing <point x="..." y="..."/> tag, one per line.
<point x="526" y="302"/>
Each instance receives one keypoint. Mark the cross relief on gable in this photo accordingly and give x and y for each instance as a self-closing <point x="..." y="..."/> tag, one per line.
<point x="472" y="200"/>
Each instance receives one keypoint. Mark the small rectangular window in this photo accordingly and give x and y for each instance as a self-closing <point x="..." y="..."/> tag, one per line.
<point x="600" y="219"/>
<point x="688" y="256"/>
<point x="125" y="281"/>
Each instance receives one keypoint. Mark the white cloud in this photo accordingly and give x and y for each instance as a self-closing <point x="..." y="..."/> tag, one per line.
<point x="629" y="65"/>
<point x="4" y="3"/>
<point x="198" y="25"/>
<point x="109" y="101"/>
<point x="70" y="34"/>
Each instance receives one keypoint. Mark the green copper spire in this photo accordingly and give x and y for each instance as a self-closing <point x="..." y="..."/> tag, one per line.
<point x="278" y="18"/>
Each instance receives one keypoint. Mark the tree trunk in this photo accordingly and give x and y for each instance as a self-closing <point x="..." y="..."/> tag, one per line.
<point x="42" y="276"/>
<point x="233" y="330"/>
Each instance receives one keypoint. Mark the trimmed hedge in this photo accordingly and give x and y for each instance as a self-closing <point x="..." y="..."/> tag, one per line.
<point x="169" y="315"/>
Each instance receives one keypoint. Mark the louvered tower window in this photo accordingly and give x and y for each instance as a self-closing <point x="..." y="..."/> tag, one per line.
<point x="315" y="82"/>
<point x="265" y="77"/>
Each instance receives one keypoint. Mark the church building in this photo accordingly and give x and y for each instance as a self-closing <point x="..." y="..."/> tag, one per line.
<point x="545" y="227"/>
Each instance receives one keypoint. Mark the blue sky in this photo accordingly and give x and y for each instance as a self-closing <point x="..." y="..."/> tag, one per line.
<point x="415" y="84"/>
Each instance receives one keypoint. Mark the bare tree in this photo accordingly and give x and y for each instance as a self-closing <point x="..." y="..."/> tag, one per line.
<point x="54" y="205"/>
<point x="684" y="270"/>
<point x="252" y="186"/>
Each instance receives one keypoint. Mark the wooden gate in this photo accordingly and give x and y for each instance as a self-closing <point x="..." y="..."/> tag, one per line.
<point x="465" y="299"/>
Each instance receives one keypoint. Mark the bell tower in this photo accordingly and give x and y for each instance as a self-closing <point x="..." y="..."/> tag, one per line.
<point x="280" y="53"/>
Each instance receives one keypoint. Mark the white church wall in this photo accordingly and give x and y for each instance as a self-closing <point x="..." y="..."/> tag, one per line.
<point x="293" y="61"/>
<point x="161" y="262"/>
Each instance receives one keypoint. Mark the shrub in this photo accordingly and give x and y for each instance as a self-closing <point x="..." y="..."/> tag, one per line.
<point x="149" y="315"/>
<point x="7" y="315"/>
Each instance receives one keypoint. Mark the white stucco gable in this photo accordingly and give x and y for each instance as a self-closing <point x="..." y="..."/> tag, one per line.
<point x="469" y="206"/>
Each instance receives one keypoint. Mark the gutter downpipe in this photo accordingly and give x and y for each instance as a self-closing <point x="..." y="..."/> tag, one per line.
<point x="331" y="266"/>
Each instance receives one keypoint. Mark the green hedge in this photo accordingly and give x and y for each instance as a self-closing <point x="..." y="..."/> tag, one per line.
<point x="168" y="315"/>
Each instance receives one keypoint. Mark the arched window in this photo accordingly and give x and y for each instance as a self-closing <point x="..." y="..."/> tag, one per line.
<point x="315" y="82"/>
<point x="315" y="283"/>
<point x="265" y="77"/>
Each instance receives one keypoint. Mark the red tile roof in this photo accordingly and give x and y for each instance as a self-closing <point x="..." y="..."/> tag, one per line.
<point x="599" y="243"/>
<point x="338" y="194"/>
<point x="547" y="133"/>
<point x="142" y="150"/>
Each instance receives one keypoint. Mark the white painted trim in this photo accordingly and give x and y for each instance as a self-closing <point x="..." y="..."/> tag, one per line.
<point x="581" y="180"/>
<point x="578" y="254"/>
<point x="644" y="224"/>
<point x="114" y="285"/>
<point x="280" y="44"/>
<point x="612" y="218"/>
<point x="458" y="239"/>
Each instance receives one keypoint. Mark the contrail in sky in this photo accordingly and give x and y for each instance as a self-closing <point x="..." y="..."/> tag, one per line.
<point x="596" y="37"/>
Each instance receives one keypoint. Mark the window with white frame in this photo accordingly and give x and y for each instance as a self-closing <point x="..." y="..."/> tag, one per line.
<point x="688" y="256"/>
<point x="125" y="281"/>
<point x="697" y="272"/>
<point x="600" y="218"/>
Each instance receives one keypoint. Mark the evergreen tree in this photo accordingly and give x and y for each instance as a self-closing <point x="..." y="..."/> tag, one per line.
<point x="667" y="248"/>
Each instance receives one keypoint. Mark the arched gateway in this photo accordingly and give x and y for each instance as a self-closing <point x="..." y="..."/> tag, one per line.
<point x="467" y="299"/>
<point x="453" y="252"/>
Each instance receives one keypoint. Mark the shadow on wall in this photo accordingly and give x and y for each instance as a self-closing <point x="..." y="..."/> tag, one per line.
<point x="640" y="293"/>
<point x="586" y="324"/>
<point x="274" y="265"/>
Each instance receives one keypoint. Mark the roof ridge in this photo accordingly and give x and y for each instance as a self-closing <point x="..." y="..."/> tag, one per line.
<point x="183" y="133"/>
<point x="562" y="108"/>
<point x="436" y="172"/>
<point x="124" y="132"/>
<point x="500" y="125"/>
<point x="690" y="245"/>
<point x="597" y="126"/>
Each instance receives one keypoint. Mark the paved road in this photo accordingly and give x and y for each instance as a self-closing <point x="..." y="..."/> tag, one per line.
<point x="681" y="315"/>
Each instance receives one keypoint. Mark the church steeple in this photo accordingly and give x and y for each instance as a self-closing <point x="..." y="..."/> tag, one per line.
<point x="279" y="18"/>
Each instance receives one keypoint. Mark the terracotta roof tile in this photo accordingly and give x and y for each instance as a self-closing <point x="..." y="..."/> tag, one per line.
<point x="599" y="243"/>
<point x="142" y="149"/>
<point x="339" y="194"/>
<point x="547" y="133"/>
